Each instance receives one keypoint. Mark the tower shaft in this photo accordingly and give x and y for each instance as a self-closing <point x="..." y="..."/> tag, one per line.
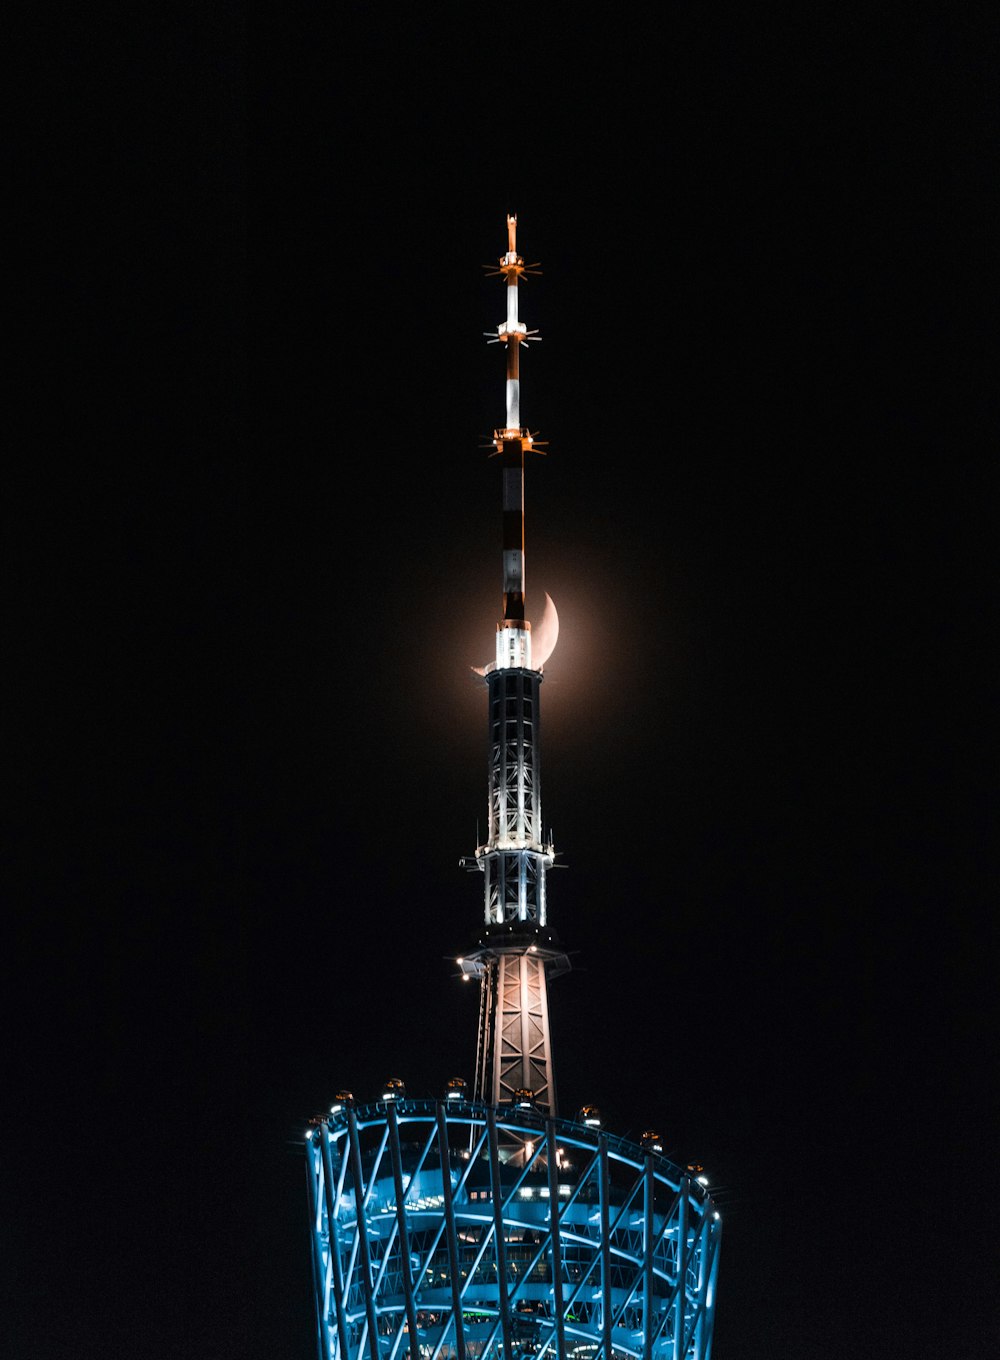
<point x="517" y="952"/>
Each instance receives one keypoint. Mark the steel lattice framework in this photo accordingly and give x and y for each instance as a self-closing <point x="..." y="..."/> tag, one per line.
<point x="425" y="1241"/>
<point x="515" y="856"/>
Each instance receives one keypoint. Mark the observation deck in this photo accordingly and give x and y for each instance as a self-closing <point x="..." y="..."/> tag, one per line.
<point x="429" y="1241"/>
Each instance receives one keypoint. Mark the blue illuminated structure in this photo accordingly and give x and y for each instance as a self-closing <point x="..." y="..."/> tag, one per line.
<point x="592" y="1247"/>
<point x="465" y="1229"/>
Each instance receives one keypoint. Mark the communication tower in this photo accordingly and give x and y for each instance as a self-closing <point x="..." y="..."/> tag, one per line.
<point x="481" y="1224"/>
<point x="517" y="951"/>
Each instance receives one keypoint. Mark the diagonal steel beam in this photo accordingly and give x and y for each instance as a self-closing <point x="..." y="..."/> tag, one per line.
<point x="343" y="1337"/>
<point x="450" y="1233"/>
<point x="605" y="1193"/>
<point x="681" y="1268"/>
<point x="557" y="1282"/>
<point x="404" y="1233"/>
<point x="360" y="1199"/>
<point x="500" y="1244"/>
<point x="419" y="1166"/>
<point x="376" y="1164"/>
<point x="713" y="1284"/>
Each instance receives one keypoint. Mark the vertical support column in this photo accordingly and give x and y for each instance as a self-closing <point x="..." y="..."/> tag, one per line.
<point x="556" y="1242"/>
<point x="487" y="1024"/>
<point x="329" y="1189"/>
<point x="713" y="1281"/>
<point x="679" y="1302"/>
<point x="317" y="1265"/>
<point x="365" y="1250"/>
<point x="649" y="1201"/>
<point x="605" y="1248"/>
<point x="403" y="1232"/>
<point x="524" y="764"/>
<point x="496" y="1189"/>
<point x="449" y="1221"/>
<point x="699" y="1331"/>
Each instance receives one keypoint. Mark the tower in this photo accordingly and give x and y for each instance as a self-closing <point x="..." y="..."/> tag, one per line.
<point x="482" y="1225"/>
<point x="516" y="952"/>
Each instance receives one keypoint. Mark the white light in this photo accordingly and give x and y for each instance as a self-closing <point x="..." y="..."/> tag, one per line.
<point x="702" y="1180"/>
<point x="716" y="1215"/>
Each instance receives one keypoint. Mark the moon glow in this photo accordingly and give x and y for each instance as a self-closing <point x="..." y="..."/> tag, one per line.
<point x="544" y="635"/>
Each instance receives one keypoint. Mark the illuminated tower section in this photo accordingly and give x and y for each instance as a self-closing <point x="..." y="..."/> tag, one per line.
<point x="481" y="1225"/>
<point x="516" y="952"/>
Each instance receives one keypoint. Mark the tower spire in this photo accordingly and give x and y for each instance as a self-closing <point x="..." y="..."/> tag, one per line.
<point x="517" y="951"/>
<point x="511" y="443"/>
<point x="513" y="331"/>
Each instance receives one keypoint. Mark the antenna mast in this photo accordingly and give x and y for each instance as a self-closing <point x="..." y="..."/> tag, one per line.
<point x="511" y="443"/>
<point x="517" y="951"/>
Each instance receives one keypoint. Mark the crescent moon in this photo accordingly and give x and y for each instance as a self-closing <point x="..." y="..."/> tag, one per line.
<point x="544" y="635"/>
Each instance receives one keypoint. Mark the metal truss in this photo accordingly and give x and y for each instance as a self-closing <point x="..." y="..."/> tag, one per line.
<point x="515" y="856"/>
<point x="515" y="885"/>
<point x="515" y="1047"/>
<point x="515" y="811"/>
<point x="426" y="1242"/>
<point x="516" y="953"/>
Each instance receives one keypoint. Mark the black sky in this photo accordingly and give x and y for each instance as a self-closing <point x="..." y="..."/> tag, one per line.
<point x="253" y="550"/>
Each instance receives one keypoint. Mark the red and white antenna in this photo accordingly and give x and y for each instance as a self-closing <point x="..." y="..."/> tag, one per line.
<point x="511" y="443"/>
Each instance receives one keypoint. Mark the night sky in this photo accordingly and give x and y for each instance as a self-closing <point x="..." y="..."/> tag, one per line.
<point x="253" y="550"/>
